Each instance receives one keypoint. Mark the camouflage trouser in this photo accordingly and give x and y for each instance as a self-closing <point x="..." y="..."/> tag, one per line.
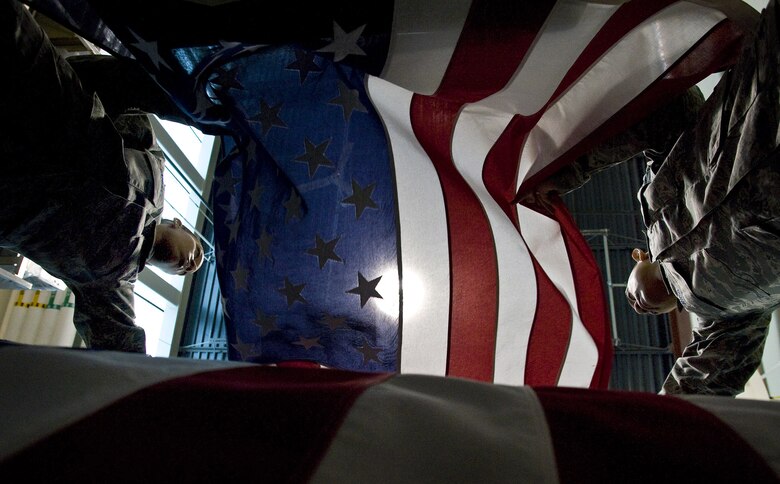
<point x="721" y="358"/>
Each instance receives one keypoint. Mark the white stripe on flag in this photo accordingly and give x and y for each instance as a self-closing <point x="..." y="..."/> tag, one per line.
<point x="442" y="430"/>
<point x="423" y="39"/>
<point x="544" y="239"/>
<point x="475" y="133"/>
<point x="424" y="240"/>
<point x="600" y="93"/>
<point x="567" y="31"/>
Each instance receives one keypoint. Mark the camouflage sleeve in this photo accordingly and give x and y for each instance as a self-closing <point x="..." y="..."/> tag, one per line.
<point x="721" y="358"/>
<point x="655" y="134"/>
<point x="105" y="318"/>
<point x="122" y="86"/>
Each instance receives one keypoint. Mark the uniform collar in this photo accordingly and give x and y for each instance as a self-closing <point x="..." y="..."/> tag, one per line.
<point x="147" y="245"/>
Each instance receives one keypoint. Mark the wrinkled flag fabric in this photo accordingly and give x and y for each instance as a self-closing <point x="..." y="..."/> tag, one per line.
<point x="366" y="202"/>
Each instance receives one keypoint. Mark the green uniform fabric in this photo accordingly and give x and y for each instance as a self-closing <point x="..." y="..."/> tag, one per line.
<point x="80" y="192"/>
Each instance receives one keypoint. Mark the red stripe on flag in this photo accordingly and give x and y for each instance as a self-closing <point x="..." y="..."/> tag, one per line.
<point x="495" y="38"/>
<point x="473" y="265"/>
<point x="501" y="167"/>
<point x="590" y="294"/>
<point x="550" y="333"/>
<point x="601" y="436"/>
<point x="552" y="325"/>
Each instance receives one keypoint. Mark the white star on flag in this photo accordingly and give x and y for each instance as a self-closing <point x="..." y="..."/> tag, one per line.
<point x="344" y="43"/>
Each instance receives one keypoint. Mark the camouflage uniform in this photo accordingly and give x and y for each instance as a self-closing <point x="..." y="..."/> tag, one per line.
<point x="80" y="193"/>
<point x="712" y="211"/>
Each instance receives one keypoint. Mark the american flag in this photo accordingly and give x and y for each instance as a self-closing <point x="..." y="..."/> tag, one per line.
<point x="366" y="205"/>
<point x="185" y="420"/>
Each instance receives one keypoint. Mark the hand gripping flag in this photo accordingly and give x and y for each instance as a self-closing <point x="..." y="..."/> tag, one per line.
<point x="366" y="204"/>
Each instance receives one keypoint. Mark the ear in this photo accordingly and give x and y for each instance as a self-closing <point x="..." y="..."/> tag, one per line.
<point x="176" y="223"/>
<point x="640" y="255"/>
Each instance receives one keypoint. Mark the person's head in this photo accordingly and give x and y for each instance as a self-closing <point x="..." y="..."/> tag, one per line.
<point x="176" y="249"/>
<point x="646" y="291"/>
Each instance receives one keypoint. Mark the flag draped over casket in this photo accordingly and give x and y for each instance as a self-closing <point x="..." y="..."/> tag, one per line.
<point x="186" y="420"/>
<point x="366" y="204"/>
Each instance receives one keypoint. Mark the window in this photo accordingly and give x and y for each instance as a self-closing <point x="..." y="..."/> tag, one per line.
<point x="160" y="296"/>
